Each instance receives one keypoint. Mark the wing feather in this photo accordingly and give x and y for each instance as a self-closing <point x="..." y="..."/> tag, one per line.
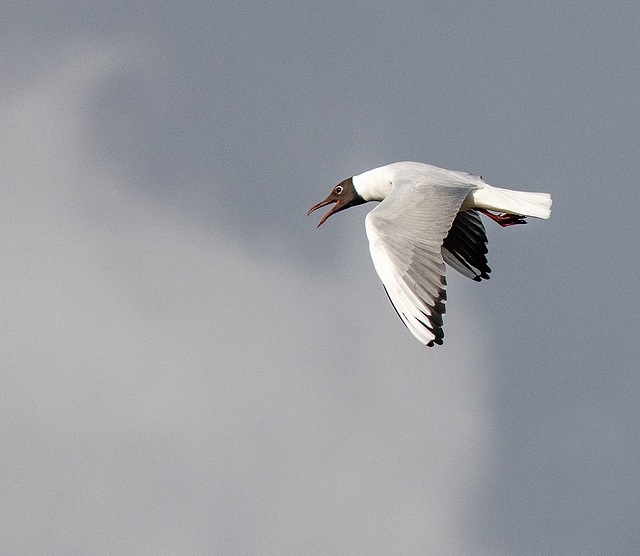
<point x="406" y="232"/>
<point x="465" y="247"/>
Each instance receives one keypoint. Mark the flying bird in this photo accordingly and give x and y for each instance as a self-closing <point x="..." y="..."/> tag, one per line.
<point x="429" y="216"/>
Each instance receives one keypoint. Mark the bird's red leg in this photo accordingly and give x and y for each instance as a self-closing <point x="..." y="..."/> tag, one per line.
<point x="504" y="219"/>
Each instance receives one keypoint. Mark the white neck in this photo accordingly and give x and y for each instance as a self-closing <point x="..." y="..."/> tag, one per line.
<point x="373" y="185"/>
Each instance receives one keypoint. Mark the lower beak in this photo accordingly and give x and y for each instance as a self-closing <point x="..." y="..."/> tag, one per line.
<point x="323" y="204"/>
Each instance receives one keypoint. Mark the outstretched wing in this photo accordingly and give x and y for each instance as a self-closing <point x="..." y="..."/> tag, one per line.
<point x="465" y="247"/>
<point x="406" y="232"/>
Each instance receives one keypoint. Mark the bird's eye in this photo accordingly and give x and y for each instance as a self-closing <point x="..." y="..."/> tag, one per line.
<point x="338" y="190"/>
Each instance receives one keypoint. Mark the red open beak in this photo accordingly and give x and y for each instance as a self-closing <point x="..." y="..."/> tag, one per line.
<point x="322" y="204"/>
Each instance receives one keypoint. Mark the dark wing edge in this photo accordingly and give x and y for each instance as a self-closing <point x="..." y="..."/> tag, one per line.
<point x="435" y="326"/>
<point x="465" y="247"/>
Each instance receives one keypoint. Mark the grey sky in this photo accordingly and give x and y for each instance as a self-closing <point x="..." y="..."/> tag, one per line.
<point x="190" y="367"/>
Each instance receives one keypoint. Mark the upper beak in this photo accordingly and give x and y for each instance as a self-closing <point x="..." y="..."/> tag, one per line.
<point x="326" y="202"/>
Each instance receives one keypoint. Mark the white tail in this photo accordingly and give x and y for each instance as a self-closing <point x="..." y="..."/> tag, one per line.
<point x="513" y="202"/>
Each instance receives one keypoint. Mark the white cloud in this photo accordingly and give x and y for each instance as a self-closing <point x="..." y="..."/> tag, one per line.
<point x="166" y="391"/>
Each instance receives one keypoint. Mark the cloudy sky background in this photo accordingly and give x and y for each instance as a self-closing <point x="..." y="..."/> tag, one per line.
<point x="190" y="367"/>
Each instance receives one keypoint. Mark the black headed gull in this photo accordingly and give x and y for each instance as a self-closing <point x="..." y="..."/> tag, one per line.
<point x="429" y="216"/>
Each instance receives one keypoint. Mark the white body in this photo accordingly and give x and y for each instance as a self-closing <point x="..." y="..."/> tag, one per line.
<point x="377" y="184"/>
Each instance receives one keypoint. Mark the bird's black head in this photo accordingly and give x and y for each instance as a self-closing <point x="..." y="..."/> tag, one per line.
<point x="344" y="195"/>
